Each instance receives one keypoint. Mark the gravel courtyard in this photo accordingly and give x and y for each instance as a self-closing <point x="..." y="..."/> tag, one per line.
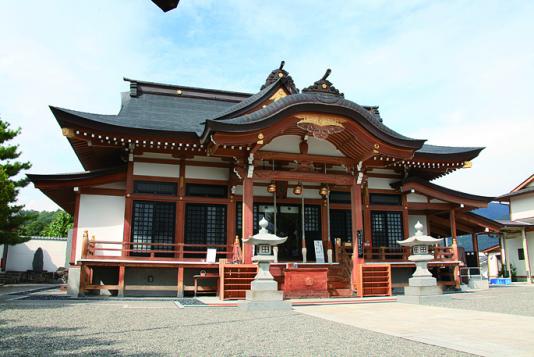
<point x="148" y="328"/>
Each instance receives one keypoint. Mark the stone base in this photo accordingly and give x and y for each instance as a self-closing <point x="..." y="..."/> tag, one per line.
<point x="276" y="305"/>
<point x="73" y="282"/>
<point x="479" y="284"/>
<point x="422" y="290"/>
<point x="414" y="299"/>
<point x="264" y="295"/>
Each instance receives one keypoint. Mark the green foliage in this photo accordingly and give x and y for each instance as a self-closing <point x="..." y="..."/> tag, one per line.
<point x="46" y="224"/>
<point x="36" y="222"/>
<point x="10" y="214"/>
<point x="38" y="261"/>
<point x="60" y="225"/>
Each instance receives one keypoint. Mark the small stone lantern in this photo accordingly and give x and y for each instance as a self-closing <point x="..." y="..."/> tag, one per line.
<point x="263" y="293"/>
<point x="422" y="283"/>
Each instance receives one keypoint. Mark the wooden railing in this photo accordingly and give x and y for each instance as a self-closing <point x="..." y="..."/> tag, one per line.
<point x="401" y="254"/>
<point x="100" y="249"/>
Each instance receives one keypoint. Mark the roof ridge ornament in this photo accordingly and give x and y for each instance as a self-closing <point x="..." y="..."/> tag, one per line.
<point x="281" y="73"/>
<point x="323" y="85"/>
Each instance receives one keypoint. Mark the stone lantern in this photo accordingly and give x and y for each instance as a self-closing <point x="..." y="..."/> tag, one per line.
<point x="263" y="293"/>
<point x="422" y="283"/>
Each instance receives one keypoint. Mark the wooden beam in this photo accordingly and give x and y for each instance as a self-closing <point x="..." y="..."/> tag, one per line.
<point x="338" y="179"/>
<point x="282" y="156"/>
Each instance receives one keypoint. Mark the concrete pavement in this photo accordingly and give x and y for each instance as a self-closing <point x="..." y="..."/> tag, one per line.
<point x="476" y="332"/>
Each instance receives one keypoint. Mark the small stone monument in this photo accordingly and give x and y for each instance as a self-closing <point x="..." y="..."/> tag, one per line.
<point x="422" y="284"/>
<point x="263" y="293"/>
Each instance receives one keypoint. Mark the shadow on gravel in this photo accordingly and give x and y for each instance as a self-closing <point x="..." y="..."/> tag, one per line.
<point x="49" y="341"/>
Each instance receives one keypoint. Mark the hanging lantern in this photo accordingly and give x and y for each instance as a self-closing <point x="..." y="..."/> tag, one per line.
<point x="324" y="191"/>
<point x="271" y="188"/>
<point x="297" y="190"/>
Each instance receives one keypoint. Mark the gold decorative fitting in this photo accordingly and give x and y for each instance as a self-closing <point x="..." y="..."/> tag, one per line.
<point x="179" y="91"/>
<point x="280" y="74"/>
<point x="67" y="132"/>
<point x="260" y="136"/>
<point x="468" y="164"/>
<point x="324" y="191"/>
<point x="324" y="85"/>
<point x="376" y="146"/>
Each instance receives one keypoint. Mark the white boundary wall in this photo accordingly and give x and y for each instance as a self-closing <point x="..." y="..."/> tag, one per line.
<point x="20" y="256"/>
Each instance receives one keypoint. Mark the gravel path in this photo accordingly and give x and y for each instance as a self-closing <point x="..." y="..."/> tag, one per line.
<point x="53" y="328"/>
<point x="515" y="300"/>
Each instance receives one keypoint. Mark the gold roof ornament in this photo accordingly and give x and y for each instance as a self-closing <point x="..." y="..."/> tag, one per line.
<point x="320" y="126"/>
<point x="468" y="164"/>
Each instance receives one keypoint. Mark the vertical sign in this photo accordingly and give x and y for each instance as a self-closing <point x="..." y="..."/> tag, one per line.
<point x="319" y="251"/>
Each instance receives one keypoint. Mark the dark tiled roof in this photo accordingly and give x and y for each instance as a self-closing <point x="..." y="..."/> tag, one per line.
<point x="310" y="101"/>
<point x="35" y="178"/>
<point x="444" y="150"/>
<point x="236" y="108"/>
<point x="443" y="189"/>
<point x="517" y="193"/>
<point x="159" y="112"/>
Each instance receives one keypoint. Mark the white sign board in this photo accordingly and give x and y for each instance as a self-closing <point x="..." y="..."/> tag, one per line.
<point x="319" y="251"/>
<point x="211" y="255"/>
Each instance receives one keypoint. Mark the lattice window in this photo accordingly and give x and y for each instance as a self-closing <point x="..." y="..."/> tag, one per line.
<point x="153" y="222"/>
<point x="341" y="224"/>
<point x="205" y="224"/>
<point x="386" y="228"/>
<point x="155" y="188"/>
<point x="239" y="218"/>
<point x="312" y="218"/>
<point x="385" y="199"/>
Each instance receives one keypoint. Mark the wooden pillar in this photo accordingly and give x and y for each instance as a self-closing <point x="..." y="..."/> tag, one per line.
<point x="180" y="282"/>
<point x="504" y="255"/>
<point x="405" y="216"/>
<point x="128" y="207"/>
<point x="474" y="239"/>
<point x="248" y="218"/>
<point x="527" y="257"/>
<point x="357" y="225"/>
<point x="74" y="238"/>
<point x="455" y="256"/>
<point x="121" y="280"/>
<point x="180" y="212"/>
<point x="324" y="225"/>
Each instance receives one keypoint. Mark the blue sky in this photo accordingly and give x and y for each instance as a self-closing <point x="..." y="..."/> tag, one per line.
<point x="454" y="72"/>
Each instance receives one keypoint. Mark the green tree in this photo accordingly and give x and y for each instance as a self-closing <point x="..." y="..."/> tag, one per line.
<point x="36" y="222"/>
<point x="10" y="213"/>
<point x="60" y="225"/>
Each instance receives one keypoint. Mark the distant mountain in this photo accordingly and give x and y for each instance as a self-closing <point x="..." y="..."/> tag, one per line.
<point x="494" y="211"/>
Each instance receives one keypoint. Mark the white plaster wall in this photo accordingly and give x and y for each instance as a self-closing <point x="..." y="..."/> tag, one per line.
<point x="103" y="217"/>
<point x="512" y="245"/>
<point x="383" y="171"/>
<point x="412" y="221"/>
<point x="156" y="155"/>
<point x="20" y="256"/>
<point x="207" y="173"/>
<point x="150" y="169"/>
<point x="284" y="143"/>
<point x="522" y="207"/>
<point x="322" y="147"/>
<point x="415" y="197"/>
<point x="381" y="183"/>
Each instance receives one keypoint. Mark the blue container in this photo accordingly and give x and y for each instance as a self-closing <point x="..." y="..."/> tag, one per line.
<point x="500" y="281"/>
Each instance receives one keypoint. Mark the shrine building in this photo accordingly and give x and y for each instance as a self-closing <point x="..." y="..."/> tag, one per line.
<point x="175" y="180"/>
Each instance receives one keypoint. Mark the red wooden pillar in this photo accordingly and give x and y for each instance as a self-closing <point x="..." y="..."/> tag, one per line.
<point x="121" y="280"/>
<point x="230" y="224"/>
<point x="357" y="225"/>
<point x="455" y="255"/>
<point x="74" y="239"/>
<point x="474" y="238"/>
<point x="128" y="208"/>
<point x="248" y="217"/>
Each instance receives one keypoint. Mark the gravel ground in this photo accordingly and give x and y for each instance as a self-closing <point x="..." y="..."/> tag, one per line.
<point x="515" y="300"/>
<point x="53" y="328"/>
